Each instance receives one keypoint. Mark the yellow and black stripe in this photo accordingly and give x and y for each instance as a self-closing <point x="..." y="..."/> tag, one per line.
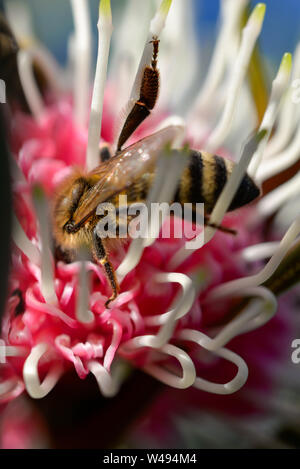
<point x="202" y="181"/>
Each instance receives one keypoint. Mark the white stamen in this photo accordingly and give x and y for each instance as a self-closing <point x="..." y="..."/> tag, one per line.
<point x="14" y="385"/>
<point x="158" y="22"/>
<point x="259" y="312"/>
<point x="231" y="186"/>
<point x="239" y="285"/>
<point x="15" y="351"/>
<point x="259" y="251"/>
<point x="83" y="314"/>
<point x="276" y="198"/>
<point x="34" y="387"/>
<point x="46" y="308"/>
<point x="131" y="259"/>
<point x="223" y="201"/>
<point x="179" y="45"/>
<point x="82" y="56"/>
<point x="282" y="161"/>
<point x="109" y="383"/>
<point x="231" y="12"/>
<point x="104" y="36"/>
<point x="279" y="86"/>
<point x="70" y="67"/>
<point x="30" y="88"/>
<point x="129" y="38"/>
<point x="228" y="388"/>
<point x="47" y="268"/>
<point x="122" y="105"/>
<point x="287" y="117"/>
<point x="249" y="37"/>
<point x="174" y="121"/>
<point x="136" y="248"/>
<point x="159" y="189"/>
<point x="6" y="386"/>
<point x="156" y="27"/>
<point x="181" y="306"/>
<point x="196" y="282"/>
<point x="188" y="370"/>
<point x="109" y="354"/>
<point x="20" y="20"/>
<point x="15" y="170"/>
<point x="23" y="243"/>
<point x="170" y="168"/>
<point x="287" y="214"/>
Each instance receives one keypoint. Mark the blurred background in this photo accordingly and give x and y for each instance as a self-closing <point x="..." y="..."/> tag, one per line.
<point x="280" y="33"/>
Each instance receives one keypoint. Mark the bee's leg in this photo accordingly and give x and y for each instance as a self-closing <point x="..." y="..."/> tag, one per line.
<point x="102" y="258"/>
<point x="219" y="227"/>
<point x="136" y="116"/>
<point x="105" y="152"/>
<point x="148" y="96"/>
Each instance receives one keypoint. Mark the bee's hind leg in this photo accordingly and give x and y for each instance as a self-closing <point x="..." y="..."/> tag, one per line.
<point x="102" y="258"/>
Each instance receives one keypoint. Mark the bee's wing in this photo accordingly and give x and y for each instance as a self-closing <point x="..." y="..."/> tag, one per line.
<point x="118" y="173"/>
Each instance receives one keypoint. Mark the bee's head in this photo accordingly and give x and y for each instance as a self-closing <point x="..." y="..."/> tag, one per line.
<point x="70" y="227"/>
<point x="65" y="203"/>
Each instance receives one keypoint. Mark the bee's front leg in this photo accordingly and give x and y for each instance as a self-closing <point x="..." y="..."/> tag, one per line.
<point x="102" y="258"/>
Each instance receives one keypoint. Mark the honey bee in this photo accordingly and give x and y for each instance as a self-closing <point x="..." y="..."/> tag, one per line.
<point x="131" y="172"/>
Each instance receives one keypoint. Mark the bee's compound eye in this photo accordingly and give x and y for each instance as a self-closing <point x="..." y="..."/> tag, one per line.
<point x="69" y="227"/>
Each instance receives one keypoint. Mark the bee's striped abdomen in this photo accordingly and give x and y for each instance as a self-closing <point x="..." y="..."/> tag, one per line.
<point x="197" y="184"/>
<point x="204" y="179"/>
<point x="220" y="175"/>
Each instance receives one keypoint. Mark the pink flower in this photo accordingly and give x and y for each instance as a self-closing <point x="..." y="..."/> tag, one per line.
<point x="22" y="427"/>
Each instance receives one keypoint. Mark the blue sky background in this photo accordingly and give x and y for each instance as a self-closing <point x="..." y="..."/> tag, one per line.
<point x="281" y="31"/>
